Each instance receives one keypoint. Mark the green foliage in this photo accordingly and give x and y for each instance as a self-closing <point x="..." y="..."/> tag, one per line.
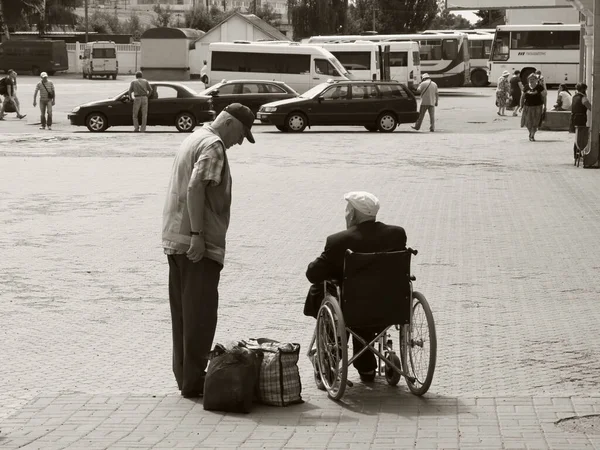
<point x="103" y="22"/>
<point x="134" y="27"/>
<point x="23" y="15"/>
<point x="199" y="18"/>
<point x="490" y="18"/>
<point x="313" y="17"/>
<point x="163" y="16"/>
<point x="391" y="16"/>
<point x="265" y="12"/>
<point x="448" y="21"/>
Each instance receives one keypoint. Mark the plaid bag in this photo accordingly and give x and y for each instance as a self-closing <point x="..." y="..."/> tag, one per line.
<point x="279" y="380"/>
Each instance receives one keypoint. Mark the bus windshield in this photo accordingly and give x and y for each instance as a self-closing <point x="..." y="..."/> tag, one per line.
<point x="501" y="47"/>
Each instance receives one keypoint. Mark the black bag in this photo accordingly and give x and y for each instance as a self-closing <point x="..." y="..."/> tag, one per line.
<point x="231" y="379"/>
<point x="50" y="94"/>
<point x="3" y="83"/>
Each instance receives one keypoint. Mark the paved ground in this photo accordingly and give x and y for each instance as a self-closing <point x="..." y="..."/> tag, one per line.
<point x="507" y="237"/>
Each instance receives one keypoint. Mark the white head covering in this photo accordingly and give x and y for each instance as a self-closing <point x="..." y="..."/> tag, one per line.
<point x="364" y="202"/>
<point x="425" y="76"/>
<point x="43" y="75"/>
<point x="505" y="73"/>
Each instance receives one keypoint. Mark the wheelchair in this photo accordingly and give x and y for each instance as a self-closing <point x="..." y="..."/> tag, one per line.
<point x="377" y="293"/>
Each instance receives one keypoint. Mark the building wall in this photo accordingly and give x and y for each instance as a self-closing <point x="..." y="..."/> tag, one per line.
<point x="166" y="53"/>
<point x="537" y="16"/>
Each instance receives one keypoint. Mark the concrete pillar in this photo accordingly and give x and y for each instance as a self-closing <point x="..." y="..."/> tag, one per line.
<point x="591" y="159"/>
<point x="589" y="52"/>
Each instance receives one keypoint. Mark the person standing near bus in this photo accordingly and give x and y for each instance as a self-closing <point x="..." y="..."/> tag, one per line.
<point x="204" y="73"/>
<point x="141" y="90"/>
<point x="429" y="101"/>
<point x="47" y="100"/>
<point x="502" y="92"/>
<point x="579" y="108"/>
<point x="516" y="87"/>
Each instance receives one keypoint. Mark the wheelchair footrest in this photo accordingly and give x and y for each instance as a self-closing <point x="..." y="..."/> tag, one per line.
<point x="349" y="383"/>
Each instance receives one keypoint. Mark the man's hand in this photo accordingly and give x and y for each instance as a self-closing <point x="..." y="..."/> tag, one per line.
<point x="197" y="247"/>
<point x="34" y="103"/>
<point x="53" y="102"/>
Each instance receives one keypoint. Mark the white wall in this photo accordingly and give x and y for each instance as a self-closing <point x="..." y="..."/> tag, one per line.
<point x="170" y="53"/>
<point x="537" y="16"/>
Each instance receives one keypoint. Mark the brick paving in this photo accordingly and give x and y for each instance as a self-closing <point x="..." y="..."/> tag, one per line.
<point x="506" y="231"/>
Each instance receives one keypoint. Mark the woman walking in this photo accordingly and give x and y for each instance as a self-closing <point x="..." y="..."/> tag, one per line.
<point x="515" y="91"/>
<point x="533" y="105"/>
<point x="502" y="92"/>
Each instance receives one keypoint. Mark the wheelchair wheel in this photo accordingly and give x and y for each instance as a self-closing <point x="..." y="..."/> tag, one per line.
<point x="391" y="376"/>
<point x="332" y="348"/>
<point x="419" y="346"/>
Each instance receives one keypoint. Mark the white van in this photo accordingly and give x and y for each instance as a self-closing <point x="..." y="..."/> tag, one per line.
<point x="100" y="60"/>
<point x="360" y="59"/>
<point x="299" y="66"/>
<point x="405" y="63"/>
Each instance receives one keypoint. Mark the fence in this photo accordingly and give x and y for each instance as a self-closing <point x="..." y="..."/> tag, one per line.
<point x="129" y="57"/>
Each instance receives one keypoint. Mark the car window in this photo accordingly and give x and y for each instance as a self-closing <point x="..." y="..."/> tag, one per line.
<point x="336" y="93"/>
<point x="227" y="89"/>
<point x="324" y="67"/>
<point x="164" y="92"/>
<point x="392" y="91"/>
<point x="273" y="89"/>
<point x="250" y="88"/>
<point x="364" y="91"/>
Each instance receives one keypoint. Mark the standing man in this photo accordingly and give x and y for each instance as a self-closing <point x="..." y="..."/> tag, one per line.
<point x="429" y="101"/>
<point x="141" y="89"/>
<point x="8" y="89"/>
<point x="195" y="222"/>
<point x="47" y="100"/>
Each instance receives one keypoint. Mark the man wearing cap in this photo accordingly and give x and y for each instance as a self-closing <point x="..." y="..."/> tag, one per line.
<point x="195" y="222"/>
<point x="140" y="90"/>
<point x="428" y="90"/>
<point x="364" y="234"/>
<point x="47" y="100"/>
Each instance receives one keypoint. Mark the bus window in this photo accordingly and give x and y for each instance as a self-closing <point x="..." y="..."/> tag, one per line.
<point x="398" y="59"/>
<point x="501" y="46"/>
<point x="542" y="39"/>
<point x="431" y="50"/>
<point x="450" y="49"/>
<point x="324" y="67"/>
<point x="416" y="58"/>
<point x="354" y="60"/>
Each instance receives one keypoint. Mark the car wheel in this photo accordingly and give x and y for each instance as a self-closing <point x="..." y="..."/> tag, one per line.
<point x="386" y="123"/>
<point x="185" y="122"/>
<point x="296" y="122"/>
<point x="281" y="128"/>
<point x="114" y="77"/>
<point x="96" y="122"/>
<point x="371" y="127"/>
<point x="35" y="70"/>
<point x="479" y="78"/>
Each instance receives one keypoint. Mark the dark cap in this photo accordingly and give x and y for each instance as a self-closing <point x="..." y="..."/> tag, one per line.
<point x="244" y="115"/>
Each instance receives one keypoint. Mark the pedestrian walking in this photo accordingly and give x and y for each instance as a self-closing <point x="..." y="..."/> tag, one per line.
<point x="47" y="100"/>
<point x="502" y="92"/>
<point x="516" y="87"/>
<point x="141" y="90"/>
<point x="579" y="108"/>
<point x="429" y="101"/>
<point x="195" y="222"/>
<point x="533" y="105"/>
<point x="8" y="88"/>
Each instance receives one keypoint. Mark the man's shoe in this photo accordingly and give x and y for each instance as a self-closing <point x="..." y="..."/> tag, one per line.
<point x="192" y="394"/>
<point x="22" y="116"/>
<point x="414" y="128"/>
<point x="49" y="128"/>
<point x="367" y="377"/>
<point x="42" y="128"/>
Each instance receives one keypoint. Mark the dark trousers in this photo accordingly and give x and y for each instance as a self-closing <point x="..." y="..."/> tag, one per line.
<point x="366" y="362"/>
<point x="194" y="299"/>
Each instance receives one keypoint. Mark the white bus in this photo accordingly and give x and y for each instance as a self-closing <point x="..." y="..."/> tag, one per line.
<point x="553" y="49"/>
<point x="443" y="56"/>
<point x="360" y="59"/>
<point x="404" y="61"/>
<point x="299" y="66"/>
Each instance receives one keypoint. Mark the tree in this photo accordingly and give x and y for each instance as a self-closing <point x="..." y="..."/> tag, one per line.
<point x="265" y="12"/>
<point x="490" y="18"/>
<point x="164" y="16"/>
<point x="310" y="17"/>
<point x="104" y="23"/>
<point x="448" y="21"/>
<point x="23" y="14"/>
<point x="391" y="16"/>
<point x="134" y="26"/>
<point x="199" y="18"/>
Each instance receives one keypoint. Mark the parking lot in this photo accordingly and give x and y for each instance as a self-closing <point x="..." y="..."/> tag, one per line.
<point x="506" y="232"/>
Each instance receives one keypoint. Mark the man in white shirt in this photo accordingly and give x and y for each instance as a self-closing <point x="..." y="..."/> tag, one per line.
<point x="429" y="100"/>
<point x="204" y="73"/>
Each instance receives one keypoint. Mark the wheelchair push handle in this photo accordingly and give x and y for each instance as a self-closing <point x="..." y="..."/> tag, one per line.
<point x="414" y="252"/>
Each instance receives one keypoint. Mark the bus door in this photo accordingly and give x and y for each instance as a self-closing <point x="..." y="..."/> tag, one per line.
<point x="384" y="62"/>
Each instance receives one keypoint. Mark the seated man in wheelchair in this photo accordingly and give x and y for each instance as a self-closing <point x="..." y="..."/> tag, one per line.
<point x="364" y="234"/>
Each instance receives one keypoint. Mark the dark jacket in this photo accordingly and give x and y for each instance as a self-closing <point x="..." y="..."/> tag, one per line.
<point x="367" y="237"/>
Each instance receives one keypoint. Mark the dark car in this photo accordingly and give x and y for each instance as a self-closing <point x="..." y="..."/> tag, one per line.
<point x="377" y="105"/>
<point x="169" y="104"/>
<point x="251" y="93"/>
